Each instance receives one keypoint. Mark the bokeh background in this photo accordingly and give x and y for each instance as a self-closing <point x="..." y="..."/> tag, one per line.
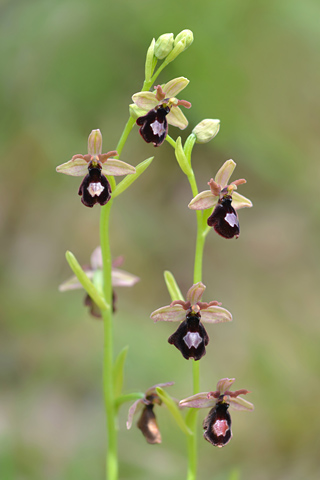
<point x="68" y="66"/>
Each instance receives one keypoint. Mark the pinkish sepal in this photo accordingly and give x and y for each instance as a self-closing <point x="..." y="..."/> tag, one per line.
<point x="145" y="100"/>
<point x="195" y="293"/>
<point x="176" y="118"/>
<point x="215" y="314"/>
<point x="200" y="400"/>
<point x="203" y="200"/>
<point x="225" y="172"/>
<point x="76" y="167"/>
<point x="175" y="313"/>
<point x="224" y="384"/>
<point x="116" y="167"/>
<point x="95" y="142"/>
<point x="175" y="86"/>
<point x="239" y="201"/>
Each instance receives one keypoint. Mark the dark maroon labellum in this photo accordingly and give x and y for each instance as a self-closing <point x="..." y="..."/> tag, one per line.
<point x="190" y="337"/>
<point x="224" y="219"/>
<point x="94" y="188"/>
<point x="154" y="125"/>
<point x="217" y="425"/>
<point x="148" y="425"/>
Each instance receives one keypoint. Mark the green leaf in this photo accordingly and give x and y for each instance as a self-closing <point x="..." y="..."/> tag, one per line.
<point x="129" y="179"/>
<point x="182" y="159"/>
<point x="174" y="410"/>
<point x="118" y="371"/>
<point x="188" y="146"/>
<point x="172" y="286"/>
<point x="86" y="282"/>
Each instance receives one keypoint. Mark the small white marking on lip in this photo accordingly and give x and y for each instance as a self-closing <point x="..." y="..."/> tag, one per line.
<point x="220" y="427"/>
<point x="192" y="339"/>
<point x="95" y="189"/>
<point x="231" y="218"/>
<point x="157" y="128"/>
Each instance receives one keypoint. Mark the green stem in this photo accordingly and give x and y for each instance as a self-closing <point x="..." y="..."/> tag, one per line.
<point x="197" y="277"/>
<point x="127" y="129"/>
<point x="112" y="453"/>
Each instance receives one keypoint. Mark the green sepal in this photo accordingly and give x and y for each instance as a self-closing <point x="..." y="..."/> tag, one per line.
<point x="118" y="371"/>
<point x="172" y="286"/>
<point x="149" y="65"/>
<point x="87" y="284"/>
<point x="188" y="146"/>
<point x="174" y="410"/>
<point x="182" y="159"/>
<point x="129" y="179"/>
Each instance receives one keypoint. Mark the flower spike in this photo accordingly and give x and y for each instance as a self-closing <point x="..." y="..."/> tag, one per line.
<point x="191" y="337"/>
<point x="224" y="218"/>
<point x="217" y="424"/>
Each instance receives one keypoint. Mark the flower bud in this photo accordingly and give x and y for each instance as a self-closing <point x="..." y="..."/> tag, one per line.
<point x="206" y="130"/>
<point x="163" y="45"/>
<point x="149" y="65"/>
<point x="95" y="142"/>
<point x="186" y="36"/>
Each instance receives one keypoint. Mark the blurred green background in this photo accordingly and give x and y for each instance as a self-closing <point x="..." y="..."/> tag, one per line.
<point x="69" y="66"/>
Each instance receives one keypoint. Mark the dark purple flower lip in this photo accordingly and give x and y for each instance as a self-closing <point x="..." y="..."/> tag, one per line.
<point x="94" y="188"/>
<point x="148" y="425"/>
<point x="154" y="125"/>
<point x="190" y="337"/>
<point x="217" y="425"/>
<point x="224" y="218"/>
<point x="147" y="421"/>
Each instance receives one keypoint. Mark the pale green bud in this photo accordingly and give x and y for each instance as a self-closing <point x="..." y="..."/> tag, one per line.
<point x="186" y="36"/>
<point x="206" y="130"/>
<point x="163" y="45"/>
<point x="95" y="142"/>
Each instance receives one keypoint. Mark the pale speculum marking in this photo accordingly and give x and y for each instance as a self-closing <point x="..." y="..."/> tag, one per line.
<point x="220" y="427"/>
<point x="157" y="128"/>
<point x="231" y="218"/>
<point x="192" y="339"/>
<point x="95" y="189"/>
